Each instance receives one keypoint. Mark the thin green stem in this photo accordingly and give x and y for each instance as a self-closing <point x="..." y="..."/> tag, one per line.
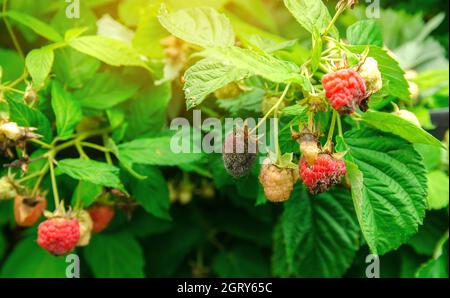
<point x="275" y="106"/>
<point x="339" y="123"/>
<point x="332" y="126"/>
<point x="53" y="178"/>
<point x="107" y="153"/>
<point x="95" y="146"/>
<point x="42" y="174"/>
<point x="41" y="143"/>
<point x="80" y="150"/>
<point x="333" y="21"/>
<point x="31" y="176"/>
<point x="10" y="31"/>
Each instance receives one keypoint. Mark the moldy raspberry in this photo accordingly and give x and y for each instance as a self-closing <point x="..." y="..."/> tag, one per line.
<point x="345" y="89"/>
<point x="58" y="235"/>
<point x="325" y="172"/>
<point x="239" y="152"/>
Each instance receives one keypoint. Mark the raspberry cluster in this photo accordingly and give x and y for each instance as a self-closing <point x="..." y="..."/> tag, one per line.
<point x="323" y="173"/>
<point x="345" y="89"/>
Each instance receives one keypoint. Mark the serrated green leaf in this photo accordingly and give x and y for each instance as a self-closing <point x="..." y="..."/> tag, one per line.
<point x="396" y="125"/>
<point x="34" y="24"/>
<point x="311" y="14"/>
<point x="67" y="111"/>
<point x="260" y="64"/>
<point x="74" y="68"/>
<point x="92" y="171"/>
<point x="23" y="115"/>
<point x="316" y="236"/>
<point x="105" y="90"/>
<point x="109" y="51"/>
<point x="207" y="76"/>
<point x="389" y="187"/>
<point x="115" y="255"/>
<point x="392" y="74"/>
<point x="147" y="112"/>
<point x="247" y="102"/>
<point x="86" y="192"/>
<point x="28" y="260"/>
<point x="39" y="64"/>
<point x="240" y="262"/>
<point x="154" y="151"/>
<point x="365" y="32"/>
<point x="202" y="26"/>
<point x="152" y="192"/>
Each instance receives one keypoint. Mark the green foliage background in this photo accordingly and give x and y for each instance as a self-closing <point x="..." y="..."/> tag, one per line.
<point x="231" y="233"/>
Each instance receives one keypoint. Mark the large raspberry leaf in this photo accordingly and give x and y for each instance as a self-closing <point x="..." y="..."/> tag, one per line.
<point x="67" y="111"/>
<point x="115" y="255"/>
<point x="313" y="15"/>
<point x="317" y="236"/>
<point x="389" y="187"/>
<point x="28" y="260"/>
<point x="207" y="76"/>
<point x="202" y="26"/>
<point x="396" y="125"/>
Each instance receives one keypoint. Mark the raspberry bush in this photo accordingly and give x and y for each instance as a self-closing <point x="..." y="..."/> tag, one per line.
<point x="89" y="166"/>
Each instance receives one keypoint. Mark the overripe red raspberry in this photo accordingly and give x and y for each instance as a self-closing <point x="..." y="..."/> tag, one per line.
<point x="27" y="211"/>
<point x="101" y="216"/>
<point x="325" y="172"/>
<point x="345" y="89"/>
<point x="278" y="183"/>
<point x="58" y="235"/>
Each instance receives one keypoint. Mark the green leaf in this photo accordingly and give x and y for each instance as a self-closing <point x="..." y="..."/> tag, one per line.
<point x="39" y="64"/>
<point x="260" y="64"/>
<point x="396" y="125"/>
<point x="434" y="226"/>
<point x="34" y="24"/>
<point x="109" y="51"/>
<point x="207" y="76"/>
<point x="67" y="111"/>
<point x="295" y="110"/>
<point x="392" y="74"/>
<point x="12" y="65"/>
<point x="438" y="192"/>
<point x="28" y="260"/>
<point x="105" y="90"/>
<point x="436" y="267"/>
<point x="247" y="102"/>
<point x="74" y="68"/>
<point x="147" y="112"/>
<point x="86" y="192"/>
<point x="152" y="193"/>
<point x="242" y="261"/>
<point x="311" y="14"/>
<point x="365" y="32"/>
<point x="389" y="187"/>
<point x="316" y="54"/>
<point x="115" y="255"/>
<point x="23" y="115"/>
<point x="92" y="171"/>
<point x="154" y="151"/>
<point x="316" y="236"/>
<point x="202" y="26"/>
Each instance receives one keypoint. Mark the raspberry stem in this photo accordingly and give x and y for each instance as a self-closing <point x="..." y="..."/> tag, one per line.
<point x="332" y="126"/>
<point x="53" y="178"/>
<point x="275" y="106"/>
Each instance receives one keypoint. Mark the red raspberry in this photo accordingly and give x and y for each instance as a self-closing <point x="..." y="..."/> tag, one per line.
<point x="345" y="89"/>
<point x="101" y="216"/>
<point x="278" y="183"/>
<point x="58" y="235"/>
<point x="325" y="172"/>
